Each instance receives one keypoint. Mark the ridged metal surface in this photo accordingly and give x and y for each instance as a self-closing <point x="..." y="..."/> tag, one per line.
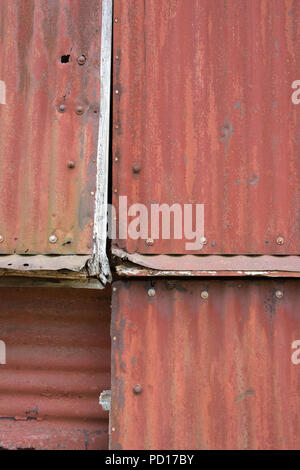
<point x="57" y="364"/>
<point x="215" y="373"/>
<point x="39" y="194"/>
<point x="204" y="107"/>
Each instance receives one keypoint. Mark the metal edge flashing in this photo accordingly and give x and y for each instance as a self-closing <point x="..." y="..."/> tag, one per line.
<point x="208" y="265"/>
<point x="98" y="265"/>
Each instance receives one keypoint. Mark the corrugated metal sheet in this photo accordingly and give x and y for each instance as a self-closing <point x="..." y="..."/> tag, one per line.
<point x="57" y="364"/>
<point x="41" y="194"/>
<point x="214" y="371"/>
<point x="204" y="114"/>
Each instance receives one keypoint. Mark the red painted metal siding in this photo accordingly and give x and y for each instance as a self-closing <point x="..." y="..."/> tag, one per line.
<point x="57" y="364"/>
<point x="204" y="108"/>
<point x="216" y="373"/>
<point x="39" y="194"/>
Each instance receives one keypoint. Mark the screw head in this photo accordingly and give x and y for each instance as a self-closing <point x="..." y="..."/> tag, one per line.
<point x="150" y="242"/>
<point x="279" y="294"/>
<point x="136" y="168"/>
<point x="204" y="294"/>
<point x="79" y="110"/>
<point x="81" y="60"/>
<point x="151" y="292"/>
<point x="71" y="164"/>
<point x="280" y="240"/>
<point x="1" y="238"/>
<point x="53" y="239"/>
<point x="62" y="108"/>
<point x="137" y="389"/>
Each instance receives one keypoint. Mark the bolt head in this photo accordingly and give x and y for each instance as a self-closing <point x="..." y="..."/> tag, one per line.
<point x="279" y="294"/>
<point x="203" y="240"/>
<point x="151" y="292"/>
<point x="280" y="240"/>
<point x="62" y="108"/>
<point x="53" y="239"/>
<point x="150" y="242"/>
<point x="1" y="238"/>
<point x="117" y="92"/>
<point x="81" y="60"/>
<point x="136" y="168"/>
<point x="204" y="294"/>
<point x="137" y="389"/>
<point x="71" y="164"/>
<point x="116" y="20"/>
<point x="79" y="110"/>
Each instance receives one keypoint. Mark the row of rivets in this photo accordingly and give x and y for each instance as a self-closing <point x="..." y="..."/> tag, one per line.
<point x="79" y="109"/>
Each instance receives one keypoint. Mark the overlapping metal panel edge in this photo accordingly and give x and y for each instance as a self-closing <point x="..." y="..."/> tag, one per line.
<point x="205" y="364"/>
<point x="202" y="102"/>
<point x="57" y="364"/>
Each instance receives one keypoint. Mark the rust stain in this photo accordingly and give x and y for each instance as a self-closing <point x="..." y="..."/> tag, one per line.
<point x="57" y="364"/>
<point x="215" y="369"/>
<point x="40" y="194"/>
<point x="206" y="110"/>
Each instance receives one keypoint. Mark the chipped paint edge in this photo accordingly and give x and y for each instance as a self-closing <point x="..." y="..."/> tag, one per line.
<point x="98" y="265"/>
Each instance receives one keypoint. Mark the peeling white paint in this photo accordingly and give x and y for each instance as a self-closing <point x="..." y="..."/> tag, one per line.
<point x="99" y="265"/>
<point x="105" y="399"/>
<point x="2" y="92"/>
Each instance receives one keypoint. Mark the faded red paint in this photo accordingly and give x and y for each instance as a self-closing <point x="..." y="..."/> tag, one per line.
<point x="57" y="364"/>
<point x="204" y="110"/>
<point x="215" y="373"/>
<point x="40" y="194"/>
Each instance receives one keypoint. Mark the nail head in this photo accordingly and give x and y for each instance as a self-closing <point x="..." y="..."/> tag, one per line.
<point x="137" y="389"/>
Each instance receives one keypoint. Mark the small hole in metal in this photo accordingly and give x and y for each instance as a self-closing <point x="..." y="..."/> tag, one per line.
<point x="65" y="59"/>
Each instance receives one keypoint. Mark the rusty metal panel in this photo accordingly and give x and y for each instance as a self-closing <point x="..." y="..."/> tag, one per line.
<point x="57" y="364"/>
<point x="47" y="157"/>
<point x="205" y="364"/>
<point x="203" y="114"/>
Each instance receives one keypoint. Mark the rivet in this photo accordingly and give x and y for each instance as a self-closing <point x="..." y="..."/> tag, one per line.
<point x="136" y="167"/>
<point x="149" y="241"/>
<point x="92" y="193"/>
<point x="116" y="20"/>
<point x="204" y="294"/>
<point x="62" y="108"/>
<point x="1" y="238"/>
<point x="117" y="92"/>
<point x="81" y="60"/>
<point x="137" y="389"/>
<point x="116" y="159"/>
<point x="114" y="289"/>
<point x="151" y="292"/>
<point x="114" y="338"/>
<point x="279" y="294"/>
<point x="117" y="57"/>
<point x="71" y="164"/>
<point x="115" y="190"/>
<point x="116" y="126"/>
<point x="280" y="240"/>
<point x="203" y="240"/>
<point x="113" y="429"/>
<point x="53" y="239"/>
<point x="79" y="110"/>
